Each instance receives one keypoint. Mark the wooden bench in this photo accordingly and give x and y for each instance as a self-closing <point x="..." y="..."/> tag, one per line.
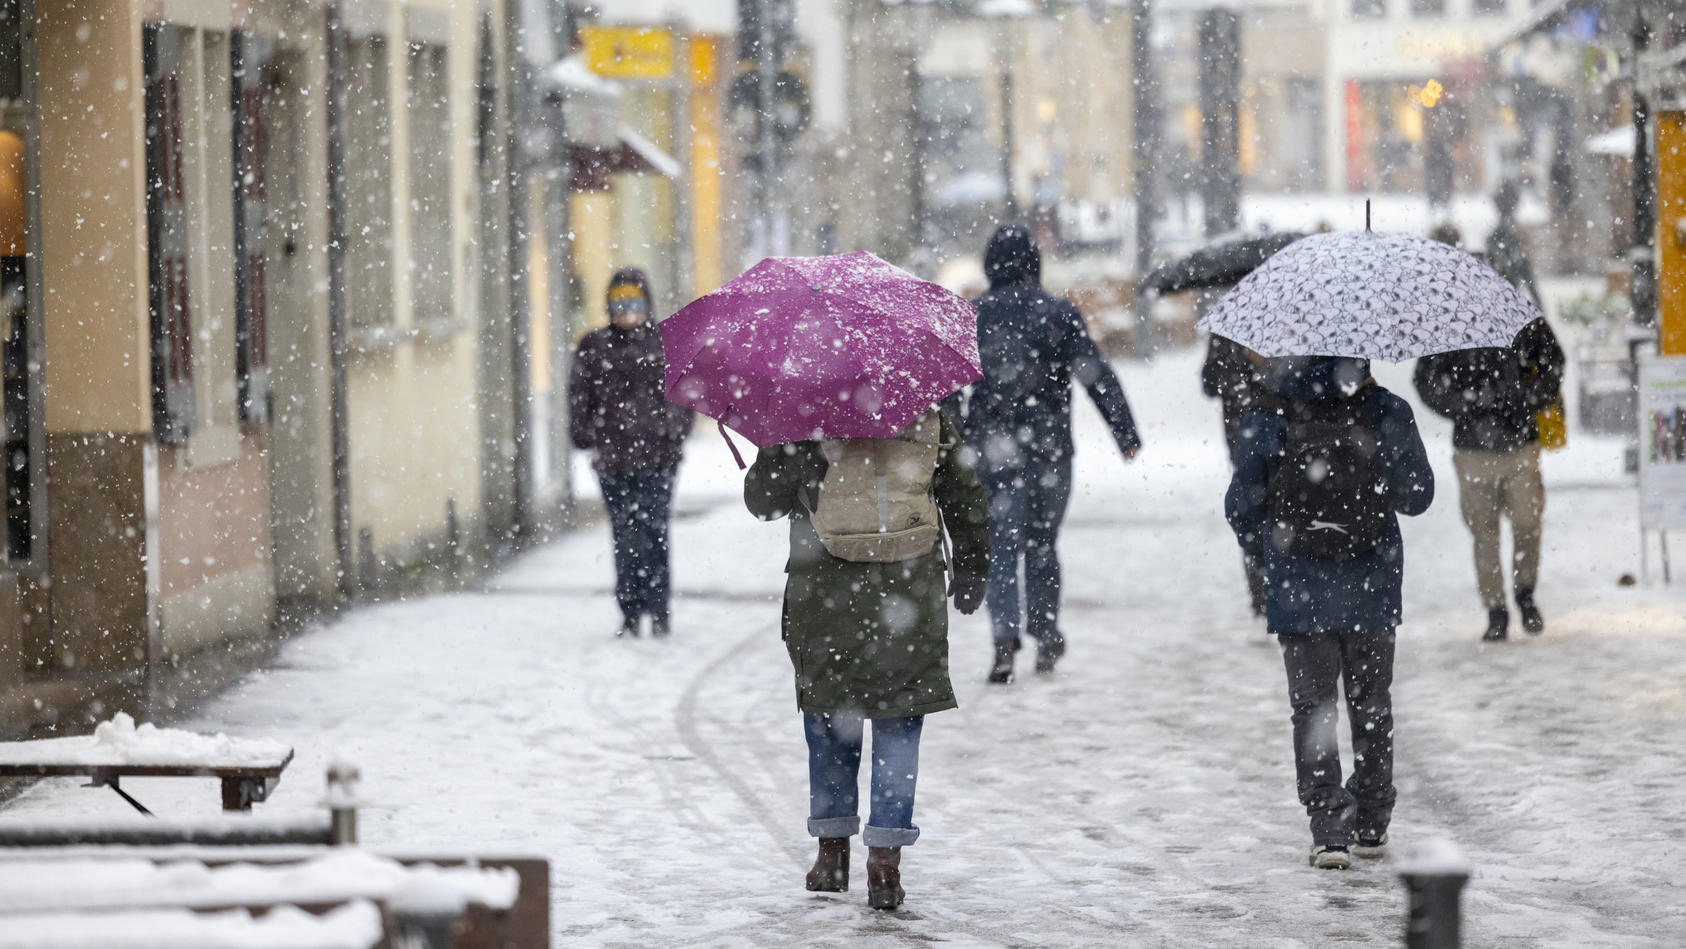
<point x="107" y="878"/>
<point x="248" y="769"/>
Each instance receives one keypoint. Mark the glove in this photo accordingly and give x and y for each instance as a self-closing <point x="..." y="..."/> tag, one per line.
<point x="968" y="593"/>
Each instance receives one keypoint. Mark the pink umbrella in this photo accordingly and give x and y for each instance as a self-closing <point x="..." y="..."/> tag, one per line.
<point x="820" y="347"/>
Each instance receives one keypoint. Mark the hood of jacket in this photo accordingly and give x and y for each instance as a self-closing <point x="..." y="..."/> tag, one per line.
<point x="1314" y="378"/>
<point x="1012" y="257"/>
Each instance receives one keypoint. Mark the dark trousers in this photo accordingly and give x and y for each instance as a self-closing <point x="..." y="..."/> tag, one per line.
<point x="640" y="504"/>
<point x="1363" y="663"/>
<point x="1250" y="567"/>
<point x="1026" y="507"/>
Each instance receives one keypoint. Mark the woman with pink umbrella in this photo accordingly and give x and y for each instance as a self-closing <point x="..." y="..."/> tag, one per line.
<point x="835" y="366"/>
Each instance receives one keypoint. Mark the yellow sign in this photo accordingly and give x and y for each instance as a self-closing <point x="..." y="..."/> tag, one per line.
<point x="629" y="52"/>
<point x="705" y="60"/>
<point x="1671" y="232"/>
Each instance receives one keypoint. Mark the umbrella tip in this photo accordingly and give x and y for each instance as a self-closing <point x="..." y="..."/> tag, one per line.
<point x="1366" y="215"/>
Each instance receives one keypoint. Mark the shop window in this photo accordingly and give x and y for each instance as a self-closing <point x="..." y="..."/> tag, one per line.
<point x="368" y="184"/>
<point x="1490" y="7"/>
<point x="1369" y="9"/>
<point x="431" y="146"/>
<point x="20" y="371"/>
<point x="1425" y="9"/>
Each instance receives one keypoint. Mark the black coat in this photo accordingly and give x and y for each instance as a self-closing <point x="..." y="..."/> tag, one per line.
<point x="1032" y="345"/>
<point x="1304" y="596"/>
<point x="1229" y="376"/>
<point x="1492" y="394"/>
<point x="617" y="405"/>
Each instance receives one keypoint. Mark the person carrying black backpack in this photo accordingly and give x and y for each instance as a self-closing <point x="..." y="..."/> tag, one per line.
<point x="1318" y="487"/>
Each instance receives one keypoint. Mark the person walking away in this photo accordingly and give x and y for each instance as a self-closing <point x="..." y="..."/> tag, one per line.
<point x="865" y="620"/>
<point x="1316" y="495"/>
<point x="1018" y="422"/>
<point x="617" y="409"/>
<point x="1505" y="252"/>
<point x="1493" y="397"/>
<point x="1237" y="383"/>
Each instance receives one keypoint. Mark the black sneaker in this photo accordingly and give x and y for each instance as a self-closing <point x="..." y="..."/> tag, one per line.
<point x="1001" y="672"/>
<point x="660" y="628"/>
<point x="1370" y="843"/>
<point x="1048" y="652"/>
<point x="628" y="630"/>
<point x="1330" y="858"/>
<point x="1532" y="621"/>
<point x="1498" y="626"/>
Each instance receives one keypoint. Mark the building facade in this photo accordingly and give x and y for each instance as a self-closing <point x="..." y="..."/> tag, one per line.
<point x="288" y="320"/>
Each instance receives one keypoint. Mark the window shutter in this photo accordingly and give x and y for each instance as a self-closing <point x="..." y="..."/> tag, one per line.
<point x="167" y="238"/>
<point x="248" y="58"/>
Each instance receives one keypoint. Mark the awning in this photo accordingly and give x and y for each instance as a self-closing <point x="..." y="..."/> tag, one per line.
<point x="590" y="104"/>
<point x="632" y="154"/>
<point x="1617" y="142"/>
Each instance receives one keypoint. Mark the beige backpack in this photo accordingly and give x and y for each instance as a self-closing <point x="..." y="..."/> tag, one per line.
<point x="875" y="504"/>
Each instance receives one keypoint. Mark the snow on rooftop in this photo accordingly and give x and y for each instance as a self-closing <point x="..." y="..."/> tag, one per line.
<point x="337" y="876"/>
<point x="356" y="925"/>
<point x="121" y="742"/>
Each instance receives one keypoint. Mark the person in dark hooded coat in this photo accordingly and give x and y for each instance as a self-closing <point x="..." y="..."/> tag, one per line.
<point x="617" y="408"/>
<point x="1018" y="422"/>
<point x="1334" y="617"/>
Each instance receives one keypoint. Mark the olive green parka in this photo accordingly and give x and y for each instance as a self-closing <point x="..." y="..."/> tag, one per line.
<point x="869" y="638"/>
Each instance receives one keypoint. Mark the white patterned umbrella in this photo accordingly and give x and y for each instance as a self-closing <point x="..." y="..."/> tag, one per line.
<point x="1373" y="296"/>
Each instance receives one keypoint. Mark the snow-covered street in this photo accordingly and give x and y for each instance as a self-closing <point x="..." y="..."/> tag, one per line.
<point x="1143" y="796"/>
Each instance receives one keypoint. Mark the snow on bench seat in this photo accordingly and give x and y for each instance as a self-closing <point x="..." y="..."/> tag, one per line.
<point x="121" y="746"/>
<point x="139" y="831"/>
<point x="356" y="925"/>
<point x="33" y="887"/>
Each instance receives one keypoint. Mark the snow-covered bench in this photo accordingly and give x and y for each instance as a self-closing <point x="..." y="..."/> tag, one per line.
<point x="217" y="881"/>
<point x="249" y="769"/>
<point x="418" y="901"/>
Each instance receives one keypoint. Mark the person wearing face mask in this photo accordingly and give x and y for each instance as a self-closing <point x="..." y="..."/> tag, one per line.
<point x="1319" y="484"/>
<point x="617" y="409"/>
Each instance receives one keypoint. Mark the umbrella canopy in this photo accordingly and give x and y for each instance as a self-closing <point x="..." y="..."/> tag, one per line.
<point x="1220" y="265"/>
<point x="846" y="346"/>
<point x="1370" y="295"/>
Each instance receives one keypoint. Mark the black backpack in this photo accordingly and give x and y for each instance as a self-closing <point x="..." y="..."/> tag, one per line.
<point x="1328" y="499"/>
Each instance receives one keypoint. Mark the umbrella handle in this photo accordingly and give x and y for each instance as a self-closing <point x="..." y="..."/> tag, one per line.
<point x="729" y="444"/>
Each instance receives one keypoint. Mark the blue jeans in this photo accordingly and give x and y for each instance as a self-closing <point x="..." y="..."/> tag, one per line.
<point x="640" y="506"/>
<point x="1026" y="507"/>
<point x="834" y="763"/>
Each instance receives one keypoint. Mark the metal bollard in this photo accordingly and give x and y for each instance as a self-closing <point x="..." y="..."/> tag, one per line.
<point x="1434" y="873"/>
<point x="342" y="803"/>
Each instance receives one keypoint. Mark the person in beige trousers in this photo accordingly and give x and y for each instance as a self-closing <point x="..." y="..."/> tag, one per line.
<point x="1492" y="397"/>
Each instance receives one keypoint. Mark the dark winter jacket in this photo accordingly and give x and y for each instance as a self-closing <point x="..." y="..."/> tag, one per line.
<point x="616" y="403"/>
<point x="1492" y="395"/>
<point x="868" y="637"/>
<point x="1506" y="255"/>
<point x="1229" y="376"/>
<point x="1303" y="595"/>
<point x="1032" y="345"/>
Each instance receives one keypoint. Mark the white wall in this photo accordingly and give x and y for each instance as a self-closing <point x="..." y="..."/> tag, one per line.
<point x="712" y="16"/>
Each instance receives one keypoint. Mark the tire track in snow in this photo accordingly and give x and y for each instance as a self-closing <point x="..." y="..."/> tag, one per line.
<point x="685" y="721"/>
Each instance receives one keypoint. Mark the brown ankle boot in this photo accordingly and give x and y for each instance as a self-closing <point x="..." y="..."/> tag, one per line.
<point x="831" y="867"/>
<point x="884" y="877"/>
